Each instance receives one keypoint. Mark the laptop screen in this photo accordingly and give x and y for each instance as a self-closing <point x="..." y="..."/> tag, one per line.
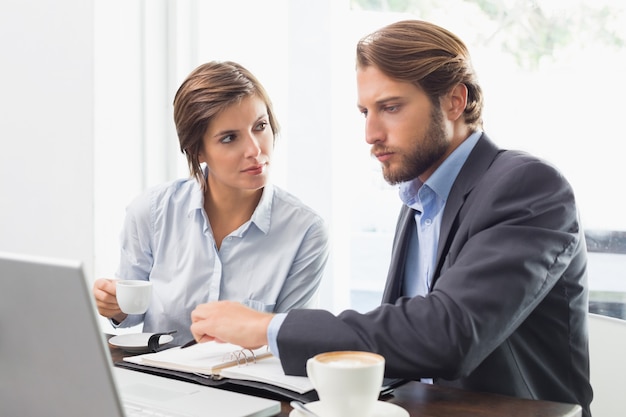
<point x="54" y="360"/>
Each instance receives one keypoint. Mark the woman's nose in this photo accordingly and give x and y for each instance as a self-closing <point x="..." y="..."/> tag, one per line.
<point x="253" y="146"/>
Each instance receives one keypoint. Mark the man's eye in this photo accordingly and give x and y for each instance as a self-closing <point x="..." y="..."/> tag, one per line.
<point x="391" y="109"/>
<point x="364" y="113"/>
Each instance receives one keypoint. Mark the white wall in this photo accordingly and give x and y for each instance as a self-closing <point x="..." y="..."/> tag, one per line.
<point x="46" y="128"/>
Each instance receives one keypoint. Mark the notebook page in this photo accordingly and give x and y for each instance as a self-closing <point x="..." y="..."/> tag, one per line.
<point x="269" y="371"/>
<point x="204" y="358"/>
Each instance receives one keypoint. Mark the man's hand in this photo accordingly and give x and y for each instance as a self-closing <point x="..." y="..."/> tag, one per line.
<point x="231" y="322"/>
<point x="106" y="299"/>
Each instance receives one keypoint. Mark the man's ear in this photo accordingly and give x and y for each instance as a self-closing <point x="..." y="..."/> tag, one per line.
<point x="455" y="102"/>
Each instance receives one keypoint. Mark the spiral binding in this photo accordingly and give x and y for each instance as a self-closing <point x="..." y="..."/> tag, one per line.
<point x="242" y="357"/>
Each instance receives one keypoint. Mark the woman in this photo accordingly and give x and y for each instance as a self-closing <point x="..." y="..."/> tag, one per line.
<point x="225" y="233"/>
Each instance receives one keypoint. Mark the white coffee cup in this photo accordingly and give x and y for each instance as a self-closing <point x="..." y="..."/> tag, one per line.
<point x="348" y="383"/>
<point x="133" y="295"/>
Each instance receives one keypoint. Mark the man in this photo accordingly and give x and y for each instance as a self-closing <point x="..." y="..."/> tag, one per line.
<point x="487" y="287"/>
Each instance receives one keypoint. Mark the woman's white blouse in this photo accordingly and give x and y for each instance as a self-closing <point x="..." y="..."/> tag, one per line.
<point x="273" y="263"/>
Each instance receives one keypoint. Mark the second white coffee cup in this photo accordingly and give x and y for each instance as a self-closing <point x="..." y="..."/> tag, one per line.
<point x="133" y="295"/>
<point x="347" y="382"/>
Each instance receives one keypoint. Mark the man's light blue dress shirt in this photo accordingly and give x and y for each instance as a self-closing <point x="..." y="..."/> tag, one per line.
<point x="428" y="200"/>
<point x="272" y="263"/>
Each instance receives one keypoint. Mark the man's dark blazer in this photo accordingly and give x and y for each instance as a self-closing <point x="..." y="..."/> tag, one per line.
<point x="508" y="305"/>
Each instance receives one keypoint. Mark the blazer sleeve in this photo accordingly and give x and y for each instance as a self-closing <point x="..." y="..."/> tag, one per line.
<point x="515" y="234"/>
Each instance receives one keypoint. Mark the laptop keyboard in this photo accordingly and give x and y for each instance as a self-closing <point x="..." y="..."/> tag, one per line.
<point x="134" y="409"/>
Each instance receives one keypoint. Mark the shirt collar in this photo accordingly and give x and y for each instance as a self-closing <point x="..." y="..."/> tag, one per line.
<point x="263" y="212"/>
<point x="442" y="179"/>
<point x="260" y="217"/>
<point x="196" y="201"/>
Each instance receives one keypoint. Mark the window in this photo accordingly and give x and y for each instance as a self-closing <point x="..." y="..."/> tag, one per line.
<point x="552" y="72"/>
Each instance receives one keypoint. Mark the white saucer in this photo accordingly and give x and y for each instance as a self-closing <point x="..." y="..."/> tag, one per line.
<point x="381" y="409"/>
<point x="137" y="342"/>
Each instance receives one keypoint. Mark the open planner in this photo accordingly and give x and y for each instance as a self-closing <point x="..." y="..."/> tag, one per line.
<point x="215" y="364"/>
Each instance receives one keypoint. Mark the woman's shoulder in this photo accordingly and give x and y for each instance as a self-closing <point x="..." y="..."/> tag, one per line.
<point x="284" y="201"/>
<point x="178" y="191"/>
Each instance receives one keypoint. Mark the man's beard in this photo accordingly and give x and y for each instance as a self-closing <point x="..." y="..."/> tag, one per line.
<point x="424" y="154"/>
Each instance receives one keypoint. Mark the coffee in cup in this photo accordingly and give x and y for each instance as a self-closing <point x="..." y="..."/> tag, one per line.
<point x="133" y="295"/>
<point x="348" y="383"/>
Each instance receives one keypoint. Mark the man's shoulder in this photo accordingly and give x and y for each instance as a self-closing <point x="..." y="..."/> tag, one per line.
<point x="516" y="161"/>
<point x="499" y="161"/>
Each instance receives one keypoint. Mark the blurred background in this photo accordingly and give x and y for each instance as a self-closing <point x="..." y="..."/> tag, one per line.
<point x="86" y="115"/>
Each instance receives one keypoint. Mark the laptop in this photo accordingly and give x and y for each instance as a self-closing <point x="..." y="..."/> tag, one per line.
<point x="54" y="359"/>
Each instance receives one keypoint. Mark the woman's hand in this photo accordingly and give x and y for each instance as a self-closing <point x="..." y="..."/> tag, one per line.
<point x="106" y="301"/>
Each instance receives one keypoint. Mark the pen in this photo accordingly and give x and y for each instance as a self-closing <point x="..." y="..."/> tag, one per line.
<point x="190" y="343"/>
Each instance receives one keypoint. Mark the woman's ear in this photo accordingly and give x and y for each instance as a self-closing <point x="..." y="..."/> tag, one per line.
<point x="455" y="102"/>
<point x="201" y="158"/>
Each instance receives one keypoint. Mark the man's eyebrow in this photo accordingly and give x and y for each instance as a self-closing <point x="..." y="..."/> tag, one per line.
<point x="382" y="101"/>
<point x="388" y="99"/>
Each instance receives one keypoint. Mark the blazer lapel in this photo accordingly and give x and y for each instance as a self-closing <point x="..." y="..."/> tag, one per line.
<point x="395" y="276"/>
<point x="477" y="163"/>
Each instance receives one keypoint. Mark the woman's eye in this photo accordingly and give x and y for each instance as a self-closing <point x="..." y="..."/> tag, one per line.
<point x="261" y="126"/>
<point x="227" y="139"/>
